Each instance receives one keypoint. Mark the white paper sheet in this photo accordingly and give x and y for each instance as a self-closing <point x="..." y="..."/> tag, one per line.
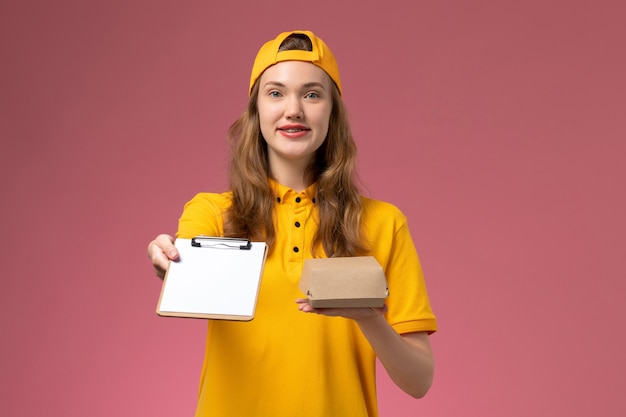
<point x="213" y="282"/>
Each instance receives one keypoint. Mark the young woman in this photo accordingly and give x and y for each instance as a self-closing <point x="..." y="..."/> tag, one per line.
<point x="293" y="185"/>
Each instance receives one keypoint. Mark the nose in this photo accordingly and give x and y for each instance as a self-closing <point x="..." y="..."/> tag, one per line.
<point x="293" y="108"/>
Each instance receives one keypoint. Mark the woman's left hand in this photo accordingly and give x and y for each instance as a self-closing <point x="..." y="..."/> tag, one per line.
<point x="354" y="313"/>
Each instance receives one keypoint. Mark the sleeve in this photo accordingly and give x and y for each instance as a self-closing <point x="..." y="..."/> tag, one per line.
<point x="409" y="308"/>
<point x="408" y="301"/>
<point x="203" y="215"/>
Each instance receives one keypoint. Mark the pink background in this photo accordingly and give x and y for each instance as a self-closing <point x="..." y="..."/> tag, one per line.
<point x="498" y="127"/>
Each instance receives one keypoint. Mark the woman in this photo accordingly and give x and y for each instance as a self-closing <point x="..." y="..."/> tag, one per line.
<point x="293" y="186"/>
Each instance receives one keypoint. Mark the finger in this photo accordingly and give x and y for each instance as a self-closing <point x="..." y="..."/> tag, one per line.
<point x="159" y="260"/>
<point x="166" y="244"/>
<point x="163" y="244"/>
<point x="306" y="308"/>
<point x="159" y="272"/>
<point x="160" y="251"/>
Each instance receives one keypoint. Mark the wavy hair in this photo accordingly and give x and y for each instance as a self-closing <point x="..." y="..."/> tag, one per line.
<point x="338" y="200"/>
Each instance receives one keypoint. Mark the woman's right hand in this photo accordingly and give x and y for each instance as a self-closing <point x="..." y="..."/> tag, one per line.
<point x="161" y="251"/>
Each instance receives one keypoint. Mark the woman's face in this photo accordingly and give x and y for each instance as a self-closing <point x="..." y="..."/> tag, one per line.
<point x="294" y="104"/>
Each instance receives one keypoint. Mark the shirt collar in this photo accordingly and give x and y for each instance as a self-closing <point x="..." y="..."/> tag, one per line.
<point x="284" y="194"/>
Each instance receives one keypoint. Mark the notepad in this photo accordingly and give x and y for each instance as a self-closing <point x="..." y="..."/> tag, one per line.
<point x="215" y="278"/>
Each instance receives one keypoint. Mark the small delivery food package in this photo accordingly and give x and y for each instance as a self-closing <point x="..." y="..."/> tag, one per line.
<point x="357" y="281"/>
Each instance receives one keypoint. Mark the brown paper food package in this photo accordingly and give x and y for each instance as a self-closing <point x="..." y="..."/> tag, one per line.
<point x="357" y="281"/>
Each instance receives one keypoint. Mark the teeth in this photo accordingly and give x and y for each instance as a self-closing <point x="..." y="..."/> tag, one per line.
<point x="293" y="130"/>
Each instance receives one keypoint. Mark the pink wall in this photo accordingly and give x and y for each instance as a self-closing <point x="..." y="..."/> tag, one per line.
<point x="497" y="127"/>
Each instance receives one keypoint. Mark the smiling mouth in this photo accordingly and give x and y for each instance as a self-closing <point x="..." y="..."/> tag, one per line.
<point x="293" y="130"/>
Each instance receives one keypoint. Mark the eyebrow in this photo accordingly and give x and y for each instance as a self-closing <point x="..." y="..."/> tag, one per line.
<point x="306" y="85"/>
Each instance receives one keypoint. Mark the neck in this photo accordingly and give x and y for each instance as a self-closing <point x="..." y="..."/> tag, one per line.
<point x="292" y="174"/>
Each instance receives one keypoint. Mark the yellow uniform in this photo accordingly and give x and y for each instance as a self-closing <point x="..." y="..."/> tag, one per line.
<point x="287" y="363"/>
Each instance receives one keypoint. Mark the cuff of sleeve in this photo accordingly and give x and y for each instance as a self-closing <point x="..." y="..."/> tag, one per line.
<point x="428" y="325"/>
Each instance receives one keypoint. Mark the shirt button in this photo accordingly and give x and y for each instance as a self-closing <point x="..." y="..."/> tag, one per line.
<point x="298" y="199"/>
<point x="297" y="224"/>
<point x="313" y="200"/>
<point x="278" y="199"/>
<point x="296" y="250"/>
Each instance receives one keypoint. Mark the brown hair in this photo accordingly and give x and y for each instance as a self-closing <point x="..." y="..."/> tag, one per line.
<point x="334" y="169"/>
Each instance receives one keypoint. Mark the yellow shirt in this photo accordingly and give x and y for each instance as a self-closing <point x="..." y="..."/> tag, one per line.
<point x="287" y="363"/>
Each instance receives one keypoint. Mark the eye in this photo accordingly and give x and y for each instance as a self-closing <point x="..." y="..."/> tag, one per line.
<point x="274" y="94"/>
<point x="312" y="94"/>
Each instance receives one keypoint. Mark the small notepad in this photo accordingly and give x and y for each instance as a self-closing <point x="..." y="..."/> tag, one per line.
<point x="214" y="278"/>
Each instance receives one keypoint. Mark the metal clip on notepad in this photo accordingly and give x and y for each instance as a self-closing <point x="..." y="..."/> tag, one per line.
<point x="221" y="242"/>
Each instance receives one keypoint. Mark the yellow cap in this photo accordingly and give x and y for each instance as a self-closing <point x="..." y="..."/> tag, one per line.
<point x="321" y="56"/>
